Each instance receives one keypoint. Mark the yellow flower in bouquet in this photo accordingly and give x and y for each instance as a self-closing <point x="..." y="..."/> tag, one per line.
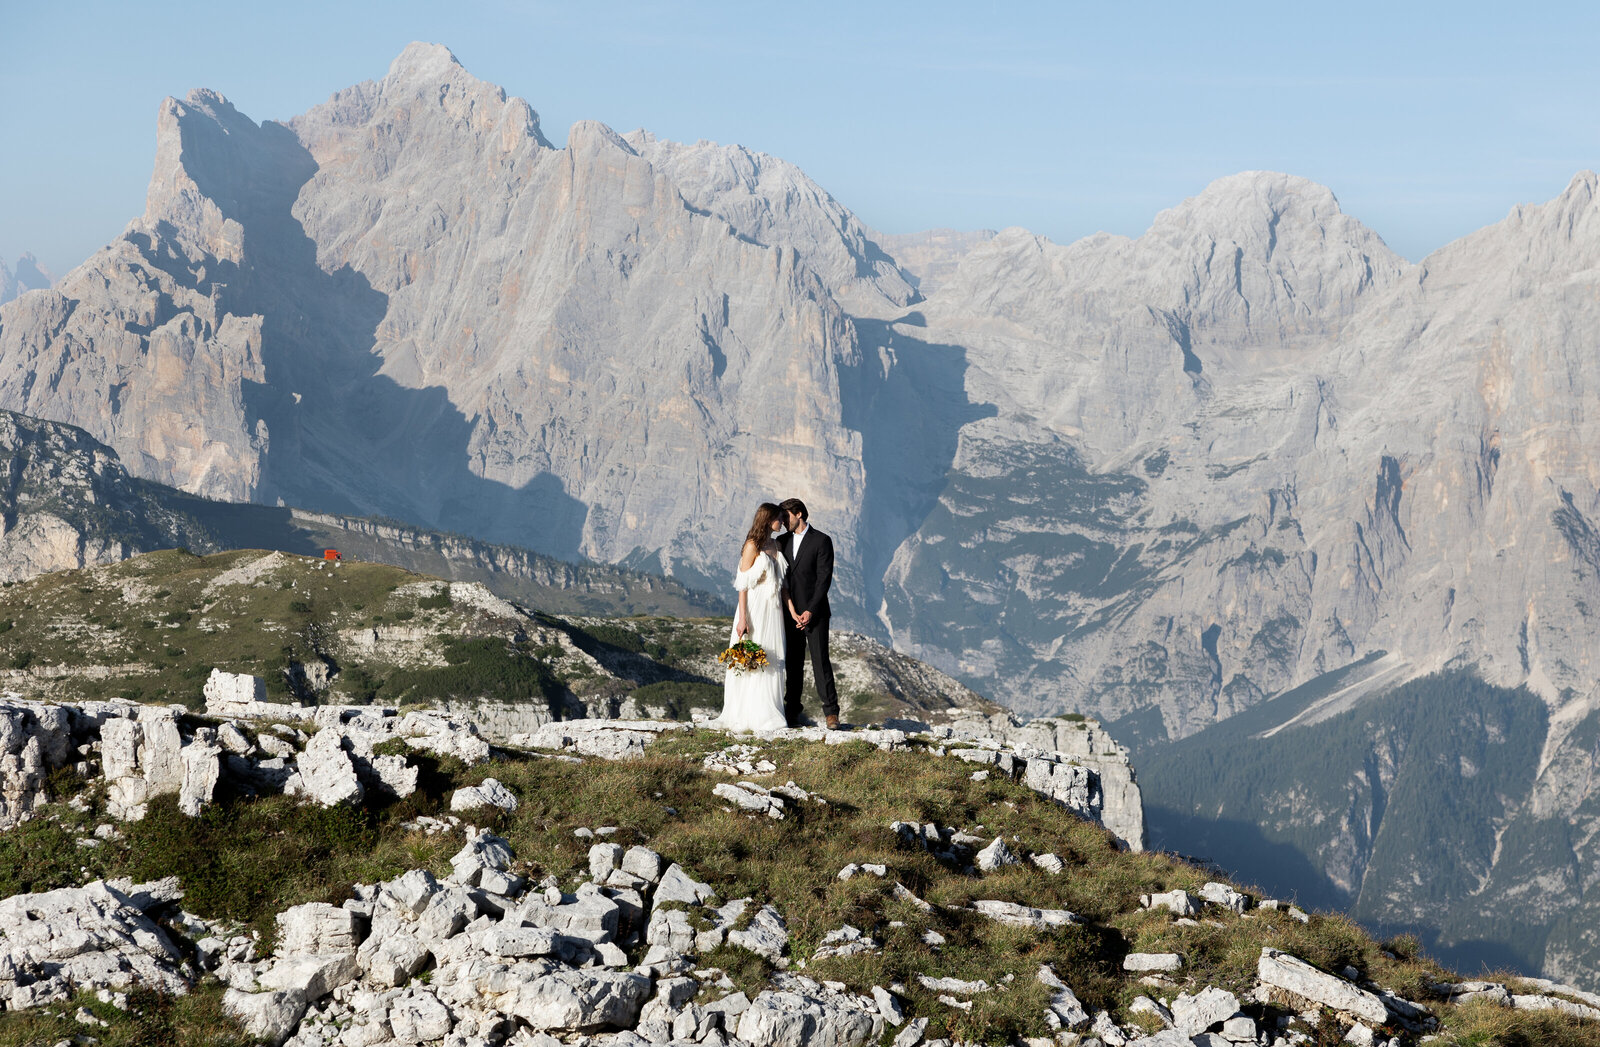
<point x="746" y="656"/>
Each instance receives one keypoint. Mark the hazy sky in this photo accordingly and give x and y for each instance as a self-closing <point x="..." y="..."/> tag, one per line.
<point x="1427" y="120"/>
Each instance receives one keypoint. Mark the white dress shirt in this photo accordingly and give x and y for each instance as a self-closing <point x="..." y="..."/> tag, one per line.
<point x="794" y="542"/>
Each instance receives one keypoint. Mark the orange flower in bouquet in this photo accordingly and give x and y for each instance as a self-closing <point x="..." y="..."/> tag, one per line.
<point x="746" y="656"/>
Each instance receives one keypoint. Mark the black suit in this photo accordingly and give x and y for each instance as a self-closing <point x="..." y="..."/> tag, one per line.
<point x="809" y="576"/>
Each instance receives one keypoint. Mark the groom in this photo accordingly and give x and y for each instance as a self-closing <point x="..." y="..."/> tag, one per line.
<point x="809" y="553"/>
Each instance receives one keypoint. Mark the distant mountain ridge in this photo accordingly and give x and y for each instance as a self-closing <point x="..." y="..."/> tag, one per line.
<point x="1159" y="479"/>
<point x="29" y="275"/>
<point x="66" y="502"/>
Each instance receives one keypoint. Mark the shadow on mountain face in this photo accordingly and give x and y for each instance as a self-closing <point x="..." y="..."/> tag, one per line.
<point x="339" y="435"/>
<point x="909" y="420"/>
<point x="1247" y="854"/>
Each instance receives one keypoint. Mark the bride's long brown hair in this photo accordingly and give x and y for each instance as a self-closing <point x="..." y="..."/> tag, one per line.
<point x="761" y="526"/>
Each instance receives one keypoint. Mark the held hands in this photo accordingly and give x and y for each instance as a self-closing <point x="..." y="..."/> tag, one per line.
<point x="803" y="619"/>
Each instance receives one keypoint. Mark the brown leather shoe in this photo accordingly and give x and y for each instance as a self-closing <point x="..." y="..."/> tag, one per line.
<point x="833" y="723"/>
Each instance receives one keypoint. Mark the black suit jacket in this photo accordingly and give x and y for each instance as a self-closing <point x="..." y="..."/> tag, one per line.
<point x="810" y="574"/>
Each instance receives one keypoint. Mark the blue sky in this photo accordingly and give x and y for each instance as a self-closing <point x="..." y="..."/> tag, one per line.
<point x="1427" y="120"/>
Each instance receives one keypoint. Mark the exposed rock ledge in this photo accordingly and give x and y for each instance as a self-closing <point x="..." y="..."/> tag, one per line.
<point x="331" y="754"/>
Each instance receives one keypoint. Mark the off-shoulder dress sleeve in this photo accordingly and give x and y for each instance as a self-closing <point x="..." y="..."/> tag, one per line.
<point x="757" y="573"/>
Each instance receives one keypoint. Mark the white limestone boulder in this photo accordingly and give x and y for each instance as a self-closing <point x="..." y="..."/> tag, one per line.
<point x="792" y="1019"/>
<point x="1024" y="916"/>
<point x="54" y="943"/>
<point x="677" y="886"/>
<point x="268" y="1016"/>
<point x="766" y="936"/>
<point x="998" y="855"/>
<point x="1280" y="970"/>
<point x="1178" y="902"/>
<point x="325" y="773"/>
<point x="1206" y="1009"/>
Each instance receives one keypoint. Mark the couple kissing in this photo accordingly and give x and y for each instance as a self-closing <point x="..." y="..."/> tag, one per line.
<point x="785" y="571"/>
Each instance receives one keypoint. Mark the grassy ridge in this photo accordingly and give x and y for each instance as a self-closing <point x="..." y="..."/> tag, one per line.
<point x="152" y="628"/>
<point x="246" y="860"/>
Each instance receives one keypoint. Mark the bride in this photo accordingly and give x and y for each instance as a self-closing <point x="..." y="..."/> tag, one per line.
<point x="753" y="701"/>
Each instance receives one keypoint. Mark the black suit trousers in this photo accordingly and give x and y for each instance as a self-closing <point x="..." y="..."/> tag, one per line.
<point x="797" y="643"/>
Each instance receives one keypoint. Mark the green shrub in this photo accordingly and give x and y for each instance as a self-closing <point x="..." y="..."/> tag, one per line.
<point x="596" y="639"/>
<point x="437" y="602"/>
<point x="249" y="860"/>
<point x="680" y="696"/>
<point x="483" y="668"/>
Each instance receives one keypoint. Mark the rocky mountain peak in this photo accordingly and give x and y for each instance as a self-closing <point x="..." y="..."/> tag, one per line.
<point x="773" y="202"/>
<point x="1568" y="225"/>
<point x="426" y="84"/>
<point x="1261" y="245"/>
<point x="426" y="63"/>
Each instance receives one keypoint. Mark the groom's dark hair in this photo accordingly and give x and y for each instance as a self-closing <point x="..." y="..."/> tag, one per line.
<point x="796" y="506"/>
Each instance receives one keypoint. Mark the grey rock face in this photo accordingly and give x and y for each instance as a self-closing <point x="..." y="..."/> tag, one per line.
<point x="91" y="937"/>
<point x="33" y="738"/>
<point x="931" y="257"/>
<point x="787" y="1019"/>
<point x="326" y="773"/>
<point x="772" y="201"/>
<point x="68" y="502"/>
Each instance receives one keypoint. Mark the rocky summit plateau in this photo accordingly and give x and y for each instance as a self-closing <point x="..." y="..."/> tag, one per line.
<point x="1228" y="487"/>
<point x="267" y="872"/>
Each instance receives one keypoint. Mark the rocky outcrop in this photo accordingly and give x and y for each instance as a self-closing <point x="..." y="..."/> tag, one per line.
<point x="480" y="956"/>
<point x="1073" y="761"/>
<point x="501" y="959"/>
<point x="66" y="501"/>
<point x="148" y="751"/>
<point x="92" y="938"/>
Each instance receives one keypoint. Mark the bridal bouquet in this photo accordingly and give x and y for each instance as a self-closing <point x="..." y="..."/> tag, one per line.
<point x="746" y="656"/>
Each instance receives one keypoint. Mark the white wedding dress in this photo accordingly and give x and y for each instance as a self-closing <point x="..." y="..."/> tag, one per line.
<point x="753" y="701"/>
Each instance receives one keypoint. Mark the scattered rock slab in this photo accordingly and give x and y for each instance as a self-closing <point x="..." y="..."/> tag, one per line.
<point x="1210" y="1007"/>
<point x="1178" y="902"/>
<point x="1024" y="916"/>
<point x="1152" y="961"/>
<point x="1280" y="970"/>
